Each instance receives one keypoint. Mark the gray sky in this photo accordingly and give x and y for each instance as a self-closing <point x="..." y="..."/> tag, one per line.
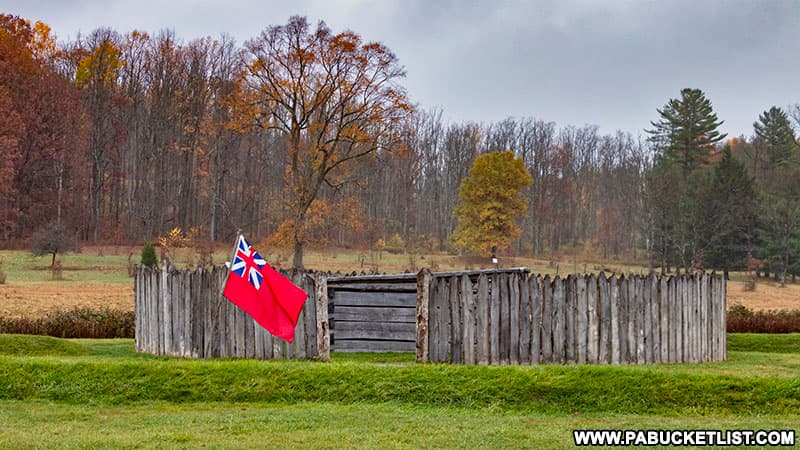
<point x="574" y="62"/>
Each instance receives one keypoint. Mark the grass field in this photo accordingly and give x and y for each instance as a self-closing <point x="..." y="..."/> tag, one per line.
<point x="98" y="277"/>
<point x="79" y="393"/>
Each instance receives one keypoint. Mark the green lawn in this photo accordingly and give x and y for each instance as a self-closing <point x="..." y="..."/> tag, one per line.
<point x="100" y="393"/>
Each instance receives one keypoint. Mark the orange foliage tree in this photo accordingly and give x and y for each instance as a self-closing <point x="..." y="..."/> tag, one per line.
<point x="42" y="132"/>
<point x="333" y="97"/>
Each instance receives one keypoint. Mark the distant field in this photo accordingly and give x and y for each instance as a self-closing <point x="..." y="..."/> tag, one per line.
<point x="98" y="276"/>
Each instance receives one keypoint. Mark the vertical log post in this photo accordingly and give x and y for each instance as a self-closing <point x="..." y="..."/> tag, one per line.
<point x="423" y="299"/>
<point x="323" y="331"/>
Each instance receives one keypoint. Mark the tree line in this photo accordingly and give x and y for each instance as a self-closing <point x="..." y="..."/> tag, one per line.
<point x="302" y="136"/>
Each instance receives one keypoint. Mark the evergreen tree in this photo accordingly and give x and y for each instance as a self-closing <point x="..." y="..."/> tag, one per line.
<point x="491" y="202"/>
<point x="774" y="134"/>
<point x="780" y="230"/>
<point x="687" y="130"/>
<point x="683" y="138"/>
<point x="149" y="258"/>
<point x="726" y="215"/>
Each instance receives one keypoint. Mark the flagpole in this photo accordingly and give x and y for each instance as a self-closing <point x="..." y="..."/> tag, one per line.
<point x="220" y="297"/>
<point x="233" y="255"/>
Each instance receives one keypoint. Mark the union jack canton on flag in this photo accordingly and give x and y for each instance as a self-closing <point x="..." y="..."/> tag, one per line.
<point x="247" y="263"/>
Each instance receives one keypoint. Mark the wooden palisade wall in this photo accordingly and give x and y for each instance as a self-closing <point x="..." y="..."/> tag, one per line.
<point x="183" y="313"/>
<point x="509" y="317"/>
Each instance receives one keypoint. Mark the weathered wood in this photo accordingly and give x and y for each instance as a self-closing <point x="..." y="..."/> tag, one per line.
<point x="671" y="321"/>
<point x="321" y="313"/>
<point x="622" y="316"/>
<point x="559" y="320"/>
<point x="695" y="308"/>
<point x="505" y="319"/>
<point x="514" y="317"/>
<point x="547" y="320"/>
<point x="360" y="298"/>
<point x="495" y="317"/>
<point x="494" y="320"/>
<point x="537" y="302"/>
<point x="370" y="330"/>
<point x="434" y="321"/>
<point x="405" y="287"/>
<point x="663" y="303"/>
<point x="593" y="341"/>
<point x="615" y="313"/>
<point x="633" y="328"/>
<point x="445" y="327"/>
<point x="526" y="316"/>
<point x="647" y="317"/>
<point x="680" y="305"/>
<point x="654" y="333"/>
<point x="724" y="310"/>
<point x="406" y="315"/>
<point x="468" y="318"/>
<point x="482" y="320"/>
<point x="137" y="308"/>
<point x="299" y="342"/>
<point x="423" y="300"/>
<point x="687" y="317"/>
<point x="569" y="319"/>
<point x="582" y="318"/>
<point x="703" y="281"/>
<point x="712" y="320"/>
<point x="347" y="345"/>
<point x="456" y="341"/>
<point x="641" y="304"/>
<point x="604" y="310"/>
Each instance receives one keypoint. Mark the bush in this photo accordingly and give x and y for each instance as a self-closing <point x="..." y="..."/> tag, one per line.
<point x="149" y="258"/>
<point x="743" y="320"/>
<point x="82" y="323"/>
<point x="395" y="244"/>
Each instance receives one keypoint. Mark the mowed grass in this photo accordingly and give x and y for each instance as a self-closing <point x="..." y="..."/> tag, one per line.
<point x="100" y="393"/>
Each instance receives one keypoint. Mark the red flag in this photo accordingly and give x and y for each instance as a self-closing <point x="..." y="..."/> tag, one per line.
<point x="267" y="296"/>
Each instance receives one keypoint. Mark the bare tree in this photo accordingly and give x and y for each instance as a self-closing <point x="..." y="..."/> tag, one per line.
<point x="334" y="97"/>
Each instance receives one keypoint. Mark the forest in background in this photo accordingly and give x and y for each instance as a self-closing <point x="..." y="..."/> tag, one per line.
<point x="122" y="137"/>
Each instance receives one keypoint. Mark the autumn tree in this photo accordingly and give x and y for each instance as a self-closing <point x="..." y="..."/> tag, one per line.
<point x="52" y="239"/>
<point x="97" y="74"/>
<point x="491" y="202"/>
<point x="333" y="97"/>
<point x="47" y="149"/>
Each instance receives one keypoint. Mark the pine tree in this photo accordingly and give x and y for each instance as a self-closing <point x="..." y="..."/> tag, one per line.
<point x="683" y="138"/>
<point x="780" y="230"/>
<point x="727" y="214"/>
<point x="775" y="135"/>
<point x="491" y="202"/>
<point x="687" y="130"/>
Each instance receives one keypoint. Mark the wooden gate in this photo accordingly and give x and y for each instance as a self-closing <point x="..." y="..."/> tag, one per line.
<point x="373" y="313"/>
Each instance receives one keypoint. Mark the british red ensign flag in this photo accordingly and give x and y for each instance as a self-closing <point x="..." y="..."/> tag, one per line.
<point x="267" y="296"/>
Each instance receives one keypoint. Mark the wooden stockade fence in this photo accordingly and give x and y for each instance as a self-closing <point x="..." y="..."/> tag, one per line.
<point x="477" y="317"/>
<point x="510" y="317"/>
<point x="183" y="313"/>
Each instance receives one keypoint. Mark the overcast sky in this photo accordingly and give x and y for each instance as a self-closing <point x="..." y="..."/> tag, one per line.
<point x="610" y="63"/>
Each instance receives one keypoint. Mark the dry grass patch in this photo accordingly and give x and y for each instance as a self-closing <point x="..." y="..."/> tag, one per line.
<point x="767" y="296"/>
<point x="36" y="300"/>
